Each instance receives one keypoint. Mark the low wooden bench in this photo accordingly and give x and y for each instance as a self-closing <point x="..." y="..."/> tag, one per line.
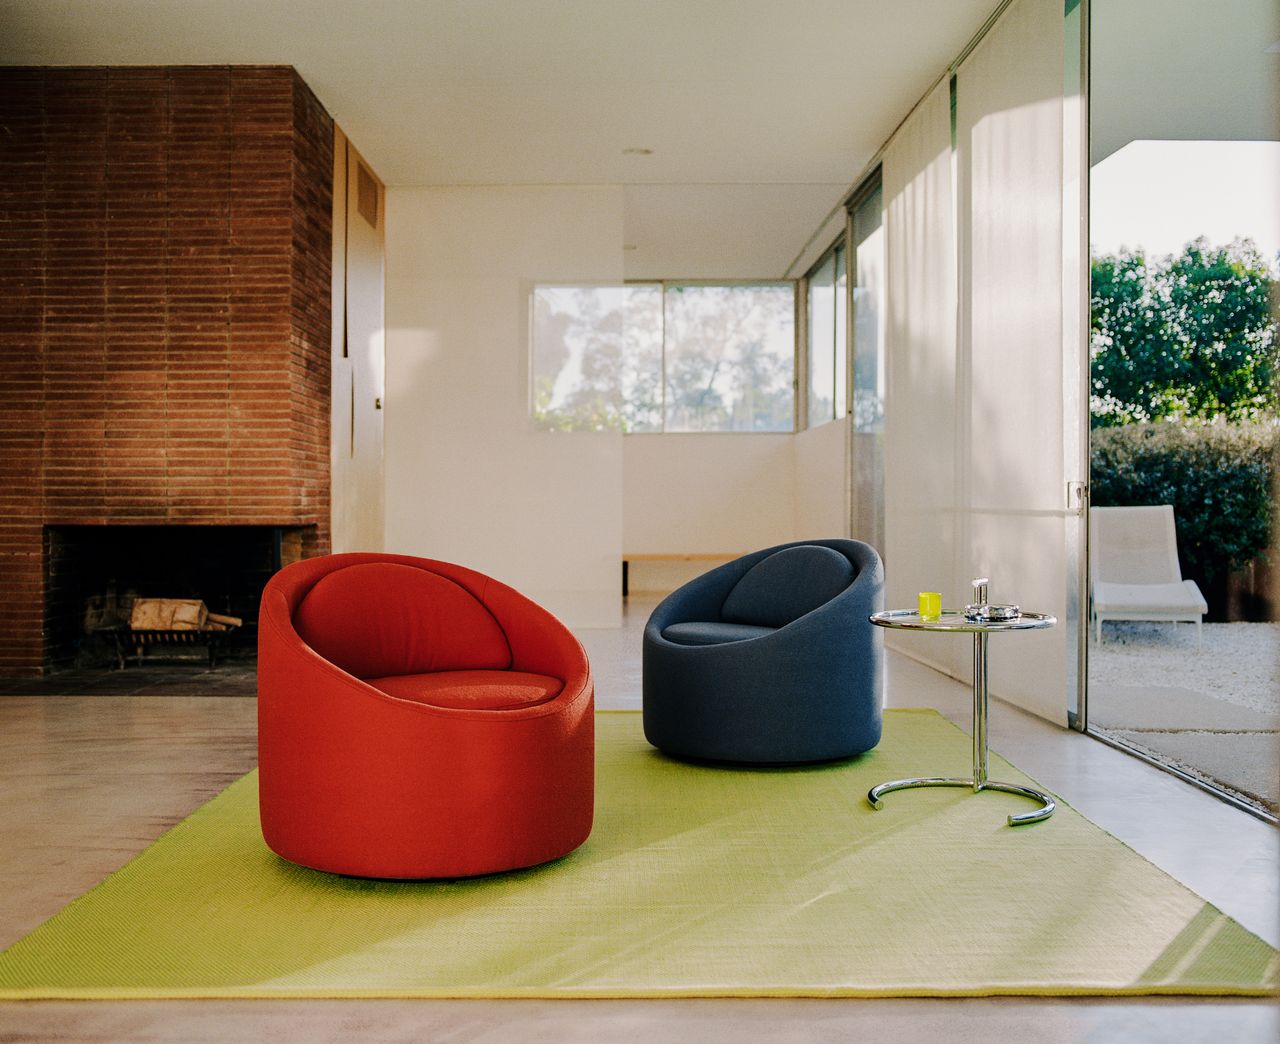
<point x="694" y="556"/>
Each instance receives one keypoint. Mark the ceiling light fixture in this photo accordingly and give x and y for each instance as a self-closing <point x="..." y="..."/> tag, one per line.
<point x="633" y="151"/>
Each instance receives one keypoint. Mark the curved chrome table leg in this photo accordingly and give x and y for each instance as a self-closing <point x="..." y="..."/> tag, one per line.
<point x="875" y="794"/>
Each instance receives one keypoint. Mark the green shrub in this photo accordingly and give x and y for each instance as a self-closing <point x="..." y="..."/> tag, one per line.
<point x="1218" y="479"/>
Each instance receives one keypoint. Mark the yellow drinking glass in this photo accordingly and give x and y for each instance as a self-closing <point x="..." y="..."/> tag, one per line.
<point x="930" y="605"/>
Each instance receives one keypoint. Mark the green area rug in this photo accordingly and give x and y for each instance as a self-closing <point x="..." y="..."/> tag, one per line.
<point x="697" y="881"/>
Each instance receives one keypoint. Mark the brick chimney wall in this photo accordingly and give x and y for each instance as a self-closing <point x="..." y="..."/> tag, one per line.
<point x="165" y="255"/>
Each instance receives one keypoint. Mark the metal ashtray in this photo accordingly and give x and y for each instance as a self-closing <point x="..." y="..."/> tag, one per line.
<point x="989" y="612"/>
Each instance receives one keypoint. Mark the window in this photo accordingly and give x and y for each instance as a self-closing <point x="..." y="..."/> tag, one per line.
<point x="822" y="324"/>
<point x="868" y="315"/>
<point x="650" y="357"/>
<point x="730" y="354"/>
<point x="597" y="358"/>
<point x="867" y="445"/>
<point x="828" y="351"/>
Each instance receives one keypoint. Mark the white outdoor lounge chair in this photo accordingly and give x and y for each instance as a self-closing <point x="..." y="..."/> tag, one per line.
<point x="1133" y="563"/>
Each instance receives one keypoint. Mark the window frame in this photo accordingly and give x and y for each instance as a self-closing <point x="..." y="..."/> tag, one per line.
<point x="664" y="284"/>
<point x="841" y="246"/>
<point x="867" y="190"/>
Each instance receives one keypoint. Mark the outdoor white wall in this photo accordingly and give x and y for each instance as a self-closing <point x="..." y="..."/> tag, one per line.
<point x="713" y="493"/>
<point x="468" y="478"/>
<point x="821" y="469"/>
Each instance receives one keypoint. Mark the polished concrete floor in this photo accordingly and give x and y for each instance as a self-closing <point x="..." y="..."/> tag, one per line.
<point x="86" y="782"/>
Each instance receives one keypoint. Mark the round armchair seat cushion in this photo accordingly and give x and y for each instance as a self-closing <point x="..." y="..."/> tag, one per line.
<point x="471" y="690"/>
<point x="713" y="633"/>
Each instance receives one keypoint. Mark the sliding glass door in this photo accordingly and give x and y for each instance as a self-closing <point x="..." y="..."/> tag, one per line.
<point x="1184" y="228"/>
<point x="868" y="356"/>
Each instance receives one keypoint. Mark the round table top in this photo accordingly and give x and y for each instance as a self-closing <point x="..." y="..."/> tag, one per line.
<point x="954" y="620"/>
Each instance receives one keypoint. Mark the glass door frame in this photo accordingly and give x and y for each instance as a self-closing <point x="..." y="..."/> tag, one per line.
<point x="1077" y="318"/>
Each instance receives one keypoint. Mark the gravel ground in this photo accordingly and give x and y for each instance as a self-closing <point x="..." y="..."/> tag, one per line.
<point x="1239" y="662"/>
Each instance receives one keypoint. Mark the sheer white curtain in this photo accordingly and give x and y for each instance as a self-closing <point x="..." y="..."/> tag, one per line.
<point x="975" y="481"/>
<point x="1013" y="524"/>
<point x="920" y="459"/>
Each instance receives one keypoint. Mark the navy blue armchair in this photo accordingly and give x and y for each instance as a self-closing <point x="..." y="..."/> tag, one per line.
<point x="769" y="659"/>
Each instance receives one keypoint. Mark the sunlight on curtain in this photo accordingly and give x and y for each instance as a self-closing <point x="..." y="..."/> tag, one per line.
<point x="920" y="382"/>
<point x="1009" y="162"/>
<point x="975" y="482"/>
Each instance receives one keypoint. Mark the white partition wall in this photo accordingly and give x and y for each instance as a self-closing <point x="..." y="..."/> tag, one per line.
<point x="1013" y="521"/>
<point x="921" y="437"/>
<point x="469" y="479"/>
<point x="821" y="488"/>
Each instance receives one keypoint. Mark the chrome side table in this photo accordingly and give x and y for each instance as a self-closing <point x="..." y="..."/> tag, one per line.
<point x="955" y="620"/>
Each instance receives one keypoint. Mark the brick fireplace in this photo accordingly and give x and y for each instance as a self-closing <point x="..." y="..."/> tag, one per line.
<point x="165" y="271"/>
<point x="93" y="574"/>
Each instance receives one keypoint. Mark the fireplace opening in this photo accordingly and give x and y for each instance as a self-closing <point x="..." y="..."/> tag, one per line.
<point x="94" y="574"/>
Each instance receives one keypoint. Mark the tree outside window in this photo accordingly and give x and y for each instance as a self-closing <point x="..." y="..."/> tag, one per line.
<point x="654" y="357"/>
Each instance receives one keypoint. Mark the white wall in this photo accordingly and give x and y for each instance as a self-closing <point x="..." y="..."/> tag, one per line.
<point x="703" y="493"/>
<point x="822" y="481"/>
<point x="728" y="494"/>
<point x="468" y="478"/>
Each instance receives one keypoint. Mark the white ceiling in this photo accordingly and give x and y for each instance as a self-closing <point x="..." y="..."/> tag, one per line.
<point x="1183" y="70"/>
<point x="759" y="112"/>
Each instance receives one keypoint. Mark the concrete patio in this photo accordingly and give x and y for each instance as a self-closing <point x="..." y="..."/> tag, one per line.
<point x="1212" y="711"/>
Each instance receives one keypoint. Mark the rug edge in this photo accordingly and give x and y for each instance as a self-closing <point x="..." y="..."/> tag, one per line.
<point x="673" y="993"/>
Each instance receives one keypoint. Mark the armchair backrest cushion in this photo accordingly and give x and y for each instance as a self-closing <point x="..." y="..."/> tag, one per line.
<point x="382" y="618"/>
<point x="786" y="585"/>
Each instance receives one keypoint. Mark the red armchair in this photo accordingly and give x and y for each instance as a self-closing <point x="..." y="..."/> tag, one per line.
<point x="418" y="719"/>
